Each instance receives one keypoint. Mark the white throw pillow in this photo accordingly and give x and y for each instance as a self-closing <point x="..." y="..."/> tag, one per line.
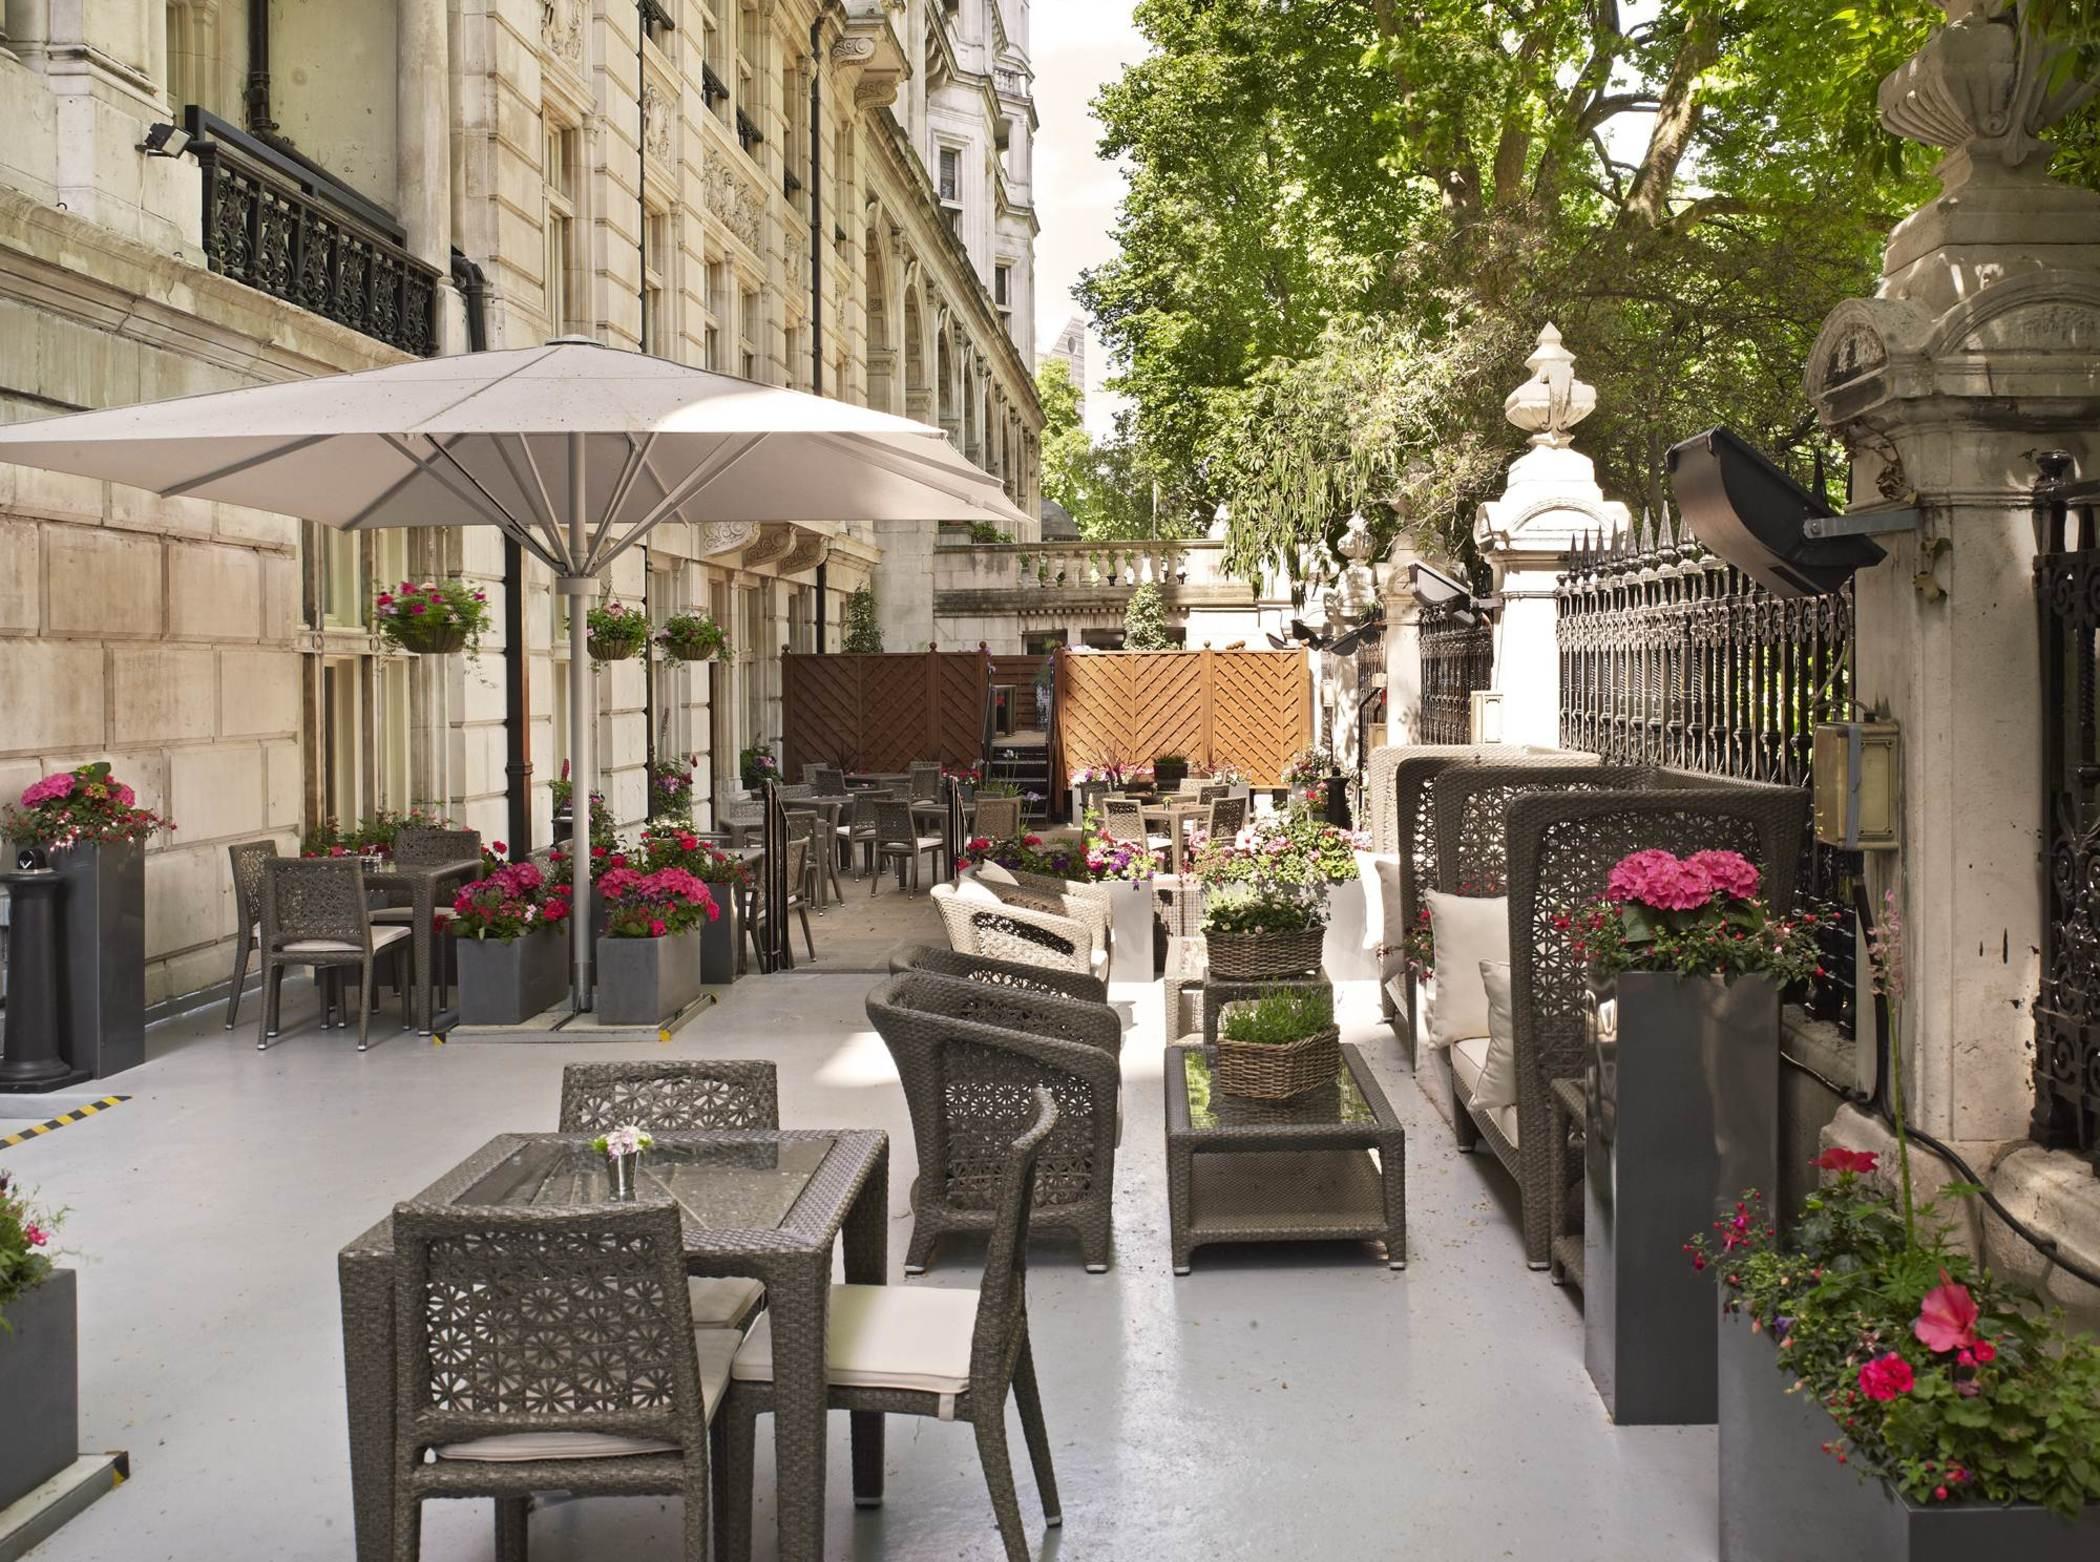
<point x="976" y="893"/>
<point x="1379" y="873"/>
<point x="1468" y="930"/>
<point x="1497" y="1085"/>
<point x="992" y="873"/>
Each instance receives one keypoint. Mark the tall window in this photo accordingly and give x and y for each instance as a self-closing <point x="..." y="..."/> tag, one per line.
<point x="357" y="756"/>
<point x="561" y="176"/>
<point x="1003" y="289"/>
<point x="951" y="175"/>
<point x="656" y="266"/>
<point x="798" y="359"/>
<point x="714" y="61"/>
<point x="748" y="327"/>
<point x="750" y="55"/>
<point x="794" y="118"/>
<point x="717" y="314"/>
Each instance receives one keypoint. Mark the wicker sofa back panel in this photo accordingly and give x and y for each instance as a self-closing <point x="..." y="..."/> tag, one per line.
<point x="1470" y="806"/>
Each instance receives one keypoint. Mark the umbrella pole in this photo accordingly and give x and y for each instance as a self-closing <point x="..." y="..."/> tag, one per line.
<point x="580" y="590"/>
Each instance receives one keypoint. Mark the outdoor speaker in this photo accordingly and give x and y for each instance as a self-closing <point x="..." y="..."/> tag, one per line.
<point x="1750" y="513"/>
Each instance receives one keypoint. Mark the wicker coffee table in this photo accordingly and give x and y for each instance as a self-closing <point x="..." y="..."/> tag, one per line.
<point x="1326" y="1166"/>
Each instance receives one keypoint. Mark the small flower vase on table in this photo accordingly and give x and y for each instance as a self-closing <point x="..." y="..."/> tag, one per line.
<point x="622" y="1149"/>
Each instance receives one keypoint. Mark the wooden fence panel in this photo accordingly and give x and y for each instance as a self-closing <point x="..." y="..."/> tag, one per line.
<point x="1249" y="709"/>
<point x="881" y="712"/>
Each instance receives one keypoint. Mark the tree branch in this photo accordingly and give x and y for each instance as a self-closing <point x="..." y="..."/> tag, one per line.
<point x="1675" y="121"/>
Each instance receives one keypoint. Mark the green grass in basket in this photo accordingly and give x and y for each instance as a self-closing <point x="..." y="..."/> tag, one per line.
<point x="1280" y="1017"/>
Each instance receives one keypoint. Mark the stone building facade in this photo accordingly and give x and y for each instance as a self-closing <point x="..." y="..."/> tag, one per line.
<point x="832" y="195"/>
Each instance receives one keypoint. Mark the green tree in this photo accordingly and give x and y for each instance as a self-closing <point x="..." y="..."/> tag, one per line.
<point x="863" y="633"/>
<point x="1145" y="620"/>
<point x="1108" y="488"/>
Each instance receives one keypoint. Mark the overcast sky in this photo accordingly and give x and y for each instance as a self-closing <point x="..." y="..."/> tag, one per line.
<point x="1077" y="45"/>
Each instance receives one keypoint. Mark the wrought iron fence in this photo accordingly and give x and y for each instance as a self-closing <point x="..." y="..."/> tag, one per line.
<point x="1458" y="658"/>
<point x="2067" y="1015"/>
<point x="1669" y="656"/>
<point x="281" y="226"/>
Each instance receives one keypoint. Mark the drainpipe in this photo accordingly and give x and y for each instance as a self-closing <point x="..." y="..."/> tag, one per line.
<point x="257" y="97"/>
<point x="821" y="588"/>
<point x="816" y="212"/>
<point x="473" y="285"/>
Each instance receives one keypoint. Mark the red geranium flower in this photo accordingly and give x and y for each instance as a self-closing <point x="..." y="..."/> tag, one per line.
<point x="1886" y="1377"/>
<point x="1839" y="1159"/>
<point x="1947" y="1318"/>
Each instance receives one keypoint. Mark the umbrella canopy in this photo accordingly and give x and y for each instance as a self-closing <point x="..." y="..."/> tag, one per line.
<point x="576" y="450"/>
<point x="531" y="440"/>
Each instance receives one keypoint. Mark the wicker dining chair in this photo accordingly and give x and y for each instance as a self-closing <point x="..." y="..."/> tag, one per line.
<point x="999" y="973"/>
<point x="315" y="913"/>
<point x="947" y="1353"/>
<point x="925" y="779"/>
<point x="250" y="861"/>
<point x="679" y="1096"/>
<point x="494" y="1400"/>
<point x="1010" y="930"/>
<point x="1123" y="819"/>
<point x="897" y="838"/>
<point x="797" y="901"/>
<point x="829" y="780"/>
<point x="1228" y="816"/>
<point x="998" y="818"/>
<point x="856" y="828"/>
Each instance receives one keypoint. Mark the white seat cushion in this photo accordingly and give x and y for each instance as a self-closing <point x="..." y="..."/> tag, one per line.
<point x="1468" y="1058"/>
<point x="975" y="893"/>
<point x="1468" y="930"/>
<point x="722" y="1301"/>
<point x="407" y="913"/>
<point x="1506" y="1120"/>
<point x="883" y="1336"/>
<point x="1098" y="963"/>
<point x="716" y="1348"/>
<point x="381" y="938"/>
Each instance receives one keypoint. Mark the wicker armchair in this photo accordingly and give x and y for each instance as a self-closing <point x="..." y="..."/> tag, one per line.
<point x="614" y="1399"/>
<point x="1559" y="846"/>
<point x="1082" y="902"/>
<point x="1030" y="978"/>
<point x="1011" y="931"/>
<point x="250" y="860"/>
<point x="315" y="913"/>
<point x="963" y="1353"/>
<point x="970" y="1057"/>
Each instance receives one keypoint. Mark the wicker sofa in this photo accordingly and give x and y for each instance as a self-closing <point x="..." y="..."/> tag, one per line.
<point x="1548" y="837"/>
<point x="970" y="1055"/>
<point x="1008" y="922"/>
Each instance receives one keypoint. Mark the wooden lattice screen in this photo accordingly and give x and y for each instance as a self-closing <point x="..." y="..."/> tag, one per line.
<point x="882" y="712"/>
<point x="1248" y="709"/>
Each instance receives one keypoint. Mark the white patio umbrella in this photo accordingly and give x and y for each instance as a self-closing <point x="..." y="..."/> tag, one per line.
<point x="576" y="450"/>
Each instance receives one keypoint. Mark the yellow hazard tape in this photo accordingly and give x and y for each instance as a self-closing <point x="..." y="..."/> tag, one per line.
<point x="76" y="1115"/>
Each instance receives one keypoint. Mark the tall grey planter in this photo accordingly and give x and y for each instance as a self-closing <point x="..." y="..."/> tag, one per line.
<point x="1683" y="1109"/>
<point x="102" y="955"/>
<point x="1784" y="1500"/>
<point x="644" y="981"/>
<point x="718" y="939"/>
<point x="39" y="1386"/>
<point x="507" y="981"/>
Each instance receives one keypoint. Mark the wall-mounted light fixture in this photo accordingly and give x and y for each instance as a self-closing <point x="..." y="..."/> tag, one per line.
<point x="1858" y="768"/>
<point x="165" y="141"/>
<point x="1486" y="721"/>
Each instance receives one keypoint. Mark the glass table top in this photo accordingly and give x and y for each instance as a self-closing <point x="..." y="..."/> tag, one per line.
<point x="719" y="1186"/>
<point x="1210" y="1107"/>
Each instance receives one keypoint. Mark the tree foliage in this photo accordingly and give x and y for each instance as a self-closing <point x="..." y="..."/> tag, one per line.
<point x="863" y="631"/>
<point x="1145" y="620"/>
<point x="1107" y="488"/>
<point x="1347" y="221"/>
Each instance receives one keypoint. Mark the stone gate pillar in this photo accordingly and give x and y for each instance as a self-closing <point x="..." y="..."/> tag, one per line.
<point x="1550" y="503"/>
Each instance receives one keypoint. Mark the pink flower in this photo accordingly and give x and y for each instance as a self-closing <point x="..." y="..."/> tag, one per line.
<point x="1986" y="1353"/>
<point x="417" y="608"/>
<point x="1657" y="878"/>
<point x="124" y="795"/>
<point x="48" y="790"/>
<point x="1947" y="1317"/>
<point x="35" y="1235"/>
<point x="1731" y="872"/>
<point x="1839" y="1159"/>
<point x="657" y="927"/>
<point x="1886" y="1377"/>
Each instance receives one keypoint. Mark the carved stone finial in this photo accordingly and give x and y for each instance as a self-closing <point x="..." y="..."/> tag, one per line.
<point x="1552" y="401"/>
<point x="1984" y="87"/>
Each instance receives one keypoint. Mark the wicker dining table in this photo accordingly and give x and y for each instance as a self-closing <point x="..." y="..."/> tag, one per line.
<point x="769" y="1204"/>
<point x="1173" y="819"/>
<point x="420" y="886"/>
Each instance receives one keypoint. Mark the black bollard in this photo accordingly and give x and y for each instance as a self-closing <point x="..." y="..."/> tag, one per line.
<point x="1338" y="801"/>
<point x="29" y="1055"/>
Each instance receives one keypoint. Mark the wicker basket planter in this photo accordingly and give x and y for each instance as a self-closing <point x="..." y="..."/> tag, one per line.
<point x="1265" y="1072"/>
<point x="1254" y="957"/>
<point x="614" y="648"/>
<point x="438" y="640"/>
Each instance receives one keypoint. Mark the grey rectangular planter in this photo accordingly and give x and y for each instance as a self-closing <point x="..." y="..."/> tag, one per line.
<point x="39" y="1386"/>
<point x="506" y="981"/>
<point x="1784" y="1500"/>
<point x="718" y="939"/>
<point x="1683" y="1109"/>
<point x="644" y="981"/>
<point x="102" y="956"/>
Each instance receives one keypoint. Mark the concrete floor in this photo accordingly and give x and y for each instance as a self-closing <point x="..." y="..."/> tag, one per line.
<point x="1278" y="1402"/>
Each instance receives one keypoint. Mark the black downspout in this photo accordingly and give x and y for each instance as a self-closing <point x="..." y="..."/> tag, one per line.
<point x="257" y="97"/>
<point x="822" y="588"/>
<point x="473" y="285"/>
<point x="816" y="212"/>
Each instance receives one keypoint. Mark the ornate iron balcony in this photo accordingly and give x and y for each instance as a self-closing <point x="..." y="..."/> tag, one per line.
<point x="277" y="223"/>
<point x="747" y="133"/>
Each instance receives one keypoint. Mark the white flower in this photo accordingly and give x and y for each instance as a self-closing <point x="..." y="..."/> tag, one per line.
<point x="628" y="1140"/>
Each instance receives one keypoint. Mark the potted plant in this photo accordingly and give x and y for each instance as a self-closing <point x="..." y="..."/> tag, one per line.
<point x="89" y="827"/>
<point x="671" y="787"/>
<point x="649" y="954"/>
<point x="1687" y="966"/>
<point x="563" y="792"/>
<point x="1169" y="770"/>
<point x="39" y="1349"/>
<point x="617" y="633"/>
<point x="435" y="618"/>
<point x="622" y="1149"/>
<point x="1306" y="774"/>
<point x="509" y="928"/>
<point x="1299" y="848"/>
<point x="1279" y="1045"/>
<point x="757" y="766"/>
<point x="725" y="877"/>
<point x="1255" y="931"/>
<point x="693" y="637"/>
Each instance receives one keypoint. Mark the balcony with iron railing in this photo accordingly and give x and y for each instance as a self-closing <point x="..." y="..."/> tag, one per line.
<point x="280" y="224"/>
<point x="1081" y="577"/>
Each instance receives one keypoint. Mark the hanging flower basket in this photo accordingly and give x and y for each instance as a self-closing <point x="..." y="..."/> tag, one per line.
<point x="613" y="648"/>
<point x="693" y="637"/>
<point x="436" y="619"/>
<point x="437" y="640"/>
<point x="617" y="634"/>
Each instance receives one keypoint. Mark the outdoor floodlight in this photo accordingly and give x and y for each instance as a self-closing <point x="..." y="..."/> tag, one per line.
<point x="165" y="141"/>
<point x="1857" y="770"/>
<point x="1484" y="719"/>
<point x="1767" y="525"/>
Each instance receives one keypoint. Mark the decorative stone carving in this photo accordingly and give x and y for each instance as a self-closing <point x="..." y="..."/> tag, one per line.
<point x="561" y="30"/>
<point x="1552" y="401"/>
<point x="809" y="549"/>
<point x="1357" y="596"/>
<point x="772" y="542"/>
<point x="852" y="50"/>
<point x="657" y="124"/>
<point x="741" y="208"/>
<point x="718" y="537"/>
<point x="1984" y="86"/>
<point x="873" y="92"/>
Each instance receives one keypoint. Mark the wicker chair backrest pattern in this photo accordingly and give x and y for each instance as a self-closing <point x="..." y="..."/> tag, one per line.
<point x="474" y="1290"/>
<point x="250" y="859"/>
<point x="1035" y="1014"/>
<point x="319" y="899"/>
<point x="1017" y="934"/>
<point x="1123" y="820"/>
<point x="426" y="847"/>
<point x="669" y="1097"/>
<point x="1228" y="816"/>
<point x="925" y="780"/>
<point x="1002" y="1299"/>
<point x="998" y="817"/>
<point x="999" y="973"/>
<point x="893" y="824"/>
<point x="1470" y="804"/>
